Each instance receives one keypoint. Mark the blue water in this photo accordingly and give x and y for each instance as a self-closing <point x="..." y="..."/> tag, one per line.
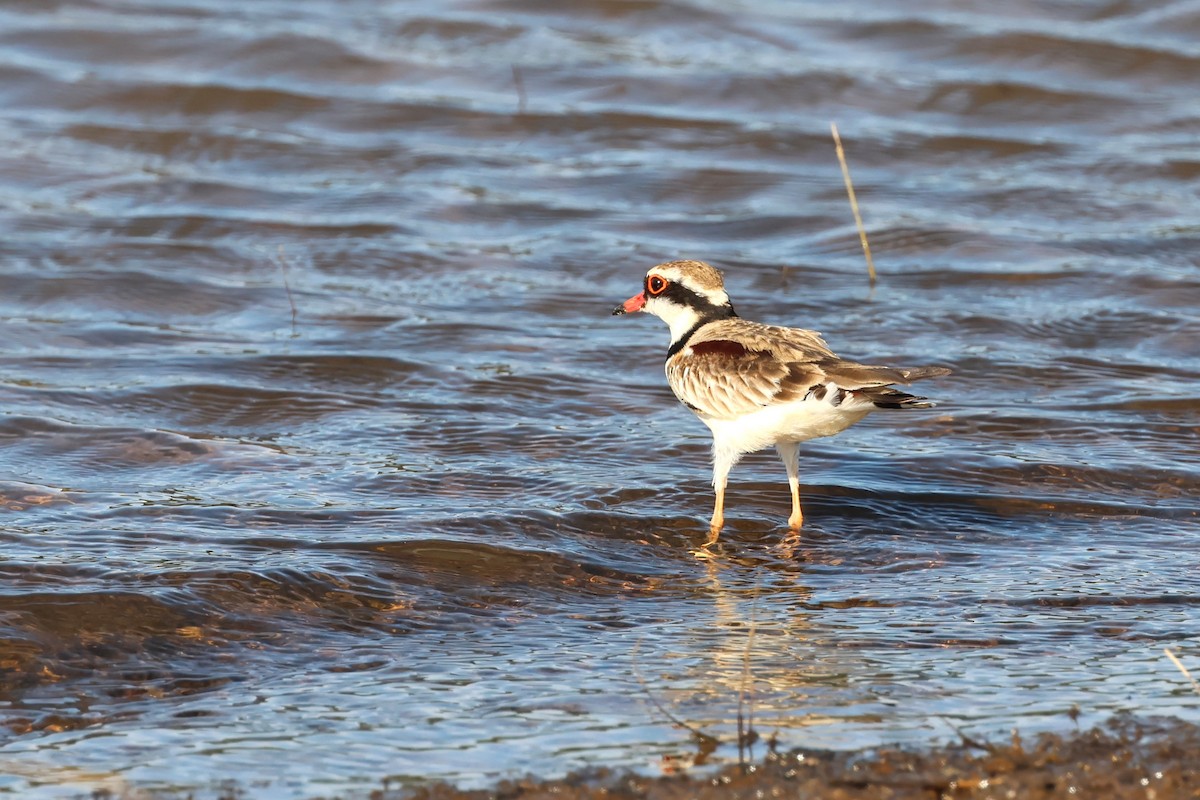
<point x="323" y="461"/>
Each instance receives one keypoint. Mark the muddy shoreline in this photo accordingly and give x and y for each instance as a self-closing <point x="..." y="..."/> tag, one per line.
<point x="1128" y="757"/>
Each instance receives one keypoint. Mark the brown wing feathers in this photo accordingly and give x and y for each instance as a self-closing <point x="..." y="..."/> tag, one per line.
<point x="850" y="375"/>
<point x="725" y="378"/>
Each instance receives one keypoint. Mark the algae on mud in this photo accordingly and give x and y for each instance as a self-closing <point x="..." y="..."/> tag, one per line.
<point x="1129" y="757"/>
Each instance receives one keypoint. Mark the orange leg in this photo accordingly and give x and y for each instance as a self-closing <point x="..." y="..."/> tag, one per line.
<point x="723" y="461"/>
<point x="796" y="520"/>
<point x="789" y="453"/>
<point x="718" y="517"/>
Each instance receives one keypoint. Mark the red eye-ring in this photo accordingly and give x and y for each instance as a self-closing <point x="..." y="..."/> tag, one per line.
<point x="656" y="285"/>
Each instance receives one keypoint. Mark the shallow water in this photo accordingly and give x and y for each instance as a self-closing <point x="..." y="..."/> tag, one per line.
<point x="323" y="461"/>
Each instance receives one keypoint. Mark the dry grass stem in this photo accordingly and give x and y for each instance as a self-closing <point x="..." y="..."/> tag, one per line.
<point x="862" y="231"/>
<point x="1179" y="665"/>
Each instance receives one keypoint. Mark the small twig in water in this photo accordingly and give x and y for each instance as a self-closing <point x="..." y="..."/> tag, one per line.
<point x="287" y="286"/>
<point x="862" y="231"/>
<point x="967" y="740"/>
<point x="1179" y="665"/>
<point x="519" y="82"/>
<point x="746" y="734"/>
<point x="707" y="743"/>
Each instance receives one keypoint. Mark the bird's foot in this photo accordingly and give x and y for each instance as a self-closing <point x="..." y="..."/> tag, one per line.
<point x="788" y="544"/>
<point x="714" y="533"/>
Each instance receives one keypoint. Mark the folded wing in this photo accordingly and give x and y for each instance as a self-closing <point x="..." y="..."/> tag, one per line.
<point x="725" y="377"/>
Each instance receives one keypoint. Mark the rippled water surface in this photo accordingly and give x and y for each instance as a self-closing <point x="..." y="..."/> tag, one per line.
<point x="323" y="461"/>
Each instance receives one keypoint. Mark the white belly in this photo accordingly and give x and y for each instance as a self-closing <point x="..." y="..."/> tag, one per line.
<point x="791" y="422"/>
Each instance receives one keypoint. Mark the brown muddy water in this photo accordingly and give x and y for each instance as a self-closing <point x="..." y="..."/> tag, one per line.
<point x="436" y="522"/>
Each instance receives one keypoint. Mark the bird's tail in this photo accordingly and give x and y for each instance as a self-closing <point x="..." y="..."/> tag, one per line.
<point x="888" y="397"/>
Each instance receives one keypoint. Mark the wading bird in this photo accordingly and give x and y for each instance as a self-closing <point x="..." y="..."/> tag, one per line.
<point x="757" y="385"/>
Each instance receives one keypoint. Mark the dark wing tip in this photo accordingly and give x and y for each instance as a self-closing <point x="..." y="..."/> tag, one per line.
<point x="890" y="397"/>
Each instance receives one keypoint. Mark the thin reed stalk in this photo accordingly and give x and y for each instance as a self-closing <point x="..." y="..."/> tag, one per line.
<point x="862" y="231"/>
<point x="1179" y="665"/>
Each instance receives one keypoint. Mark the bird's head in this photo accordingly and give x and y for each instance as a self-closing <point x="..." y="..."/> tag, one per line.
<point x="683" y="294"/>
